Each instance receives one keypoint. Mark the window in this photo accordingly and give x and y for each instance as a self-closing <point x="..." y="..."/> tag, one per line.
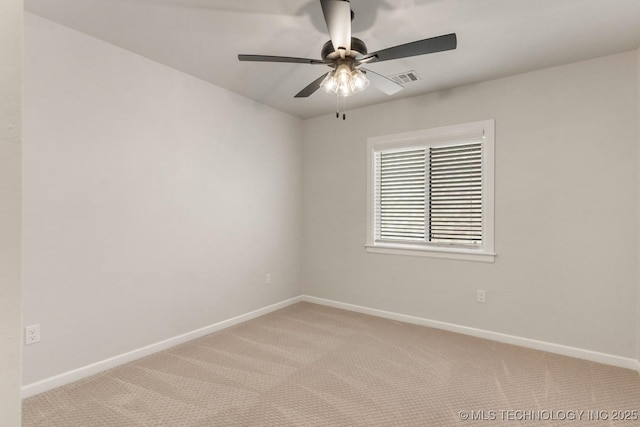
<point x="431" y="192"/>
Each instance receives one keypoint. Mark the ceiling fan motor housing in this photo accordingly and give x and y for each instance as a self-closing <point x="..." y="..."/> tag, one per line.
<point x="358" y="48"/>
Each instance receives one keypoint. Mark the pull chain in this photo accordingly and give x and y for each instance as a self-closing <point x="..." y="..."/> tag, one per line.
<point x="344" y="107"/>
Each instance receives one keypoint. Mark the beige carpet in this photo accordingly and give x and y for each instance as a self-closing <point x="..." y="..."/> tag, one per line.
<point x="309" y="365"/>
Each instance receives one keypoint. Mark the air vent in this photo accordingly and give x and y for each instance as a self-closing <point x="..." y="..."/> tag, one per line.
<point x="405" y="78"/>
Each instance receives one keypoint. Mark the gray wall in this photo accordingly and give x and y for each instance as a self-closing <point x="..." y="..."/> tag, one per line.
<point x="10" y="221"/>
<point x="154" y="203"/>
<point x="565" y="202"/>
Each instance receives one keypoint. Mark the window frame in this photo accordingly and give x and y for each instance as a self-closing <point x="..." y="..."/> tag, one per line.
<point x="437" y="136"/>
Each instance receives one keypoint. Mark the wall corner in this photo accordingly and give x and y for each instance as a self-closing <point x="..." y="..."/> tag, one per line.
<point x="11" y="33"/>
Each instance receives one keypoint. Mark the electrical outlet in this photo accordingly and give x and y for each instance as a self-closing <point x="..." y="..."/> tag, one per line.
<point x="32" y="334"/>
<point x="267" y="279"/>
<point x="482" y="296"/>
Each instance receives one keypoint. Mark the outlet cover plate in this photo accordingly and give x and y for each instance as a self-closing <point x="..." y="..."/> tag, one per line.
<point x="32" y="334"/>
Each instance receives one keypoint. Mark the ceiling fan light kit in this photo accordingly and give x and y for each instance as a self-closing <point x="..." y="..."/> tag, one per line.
<point x="346" y="55"/>
<point x="345" y="81"/>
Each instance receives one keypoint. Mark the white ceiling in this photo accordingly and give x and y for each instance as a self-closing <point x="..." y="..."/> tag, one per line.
<point x="496" y="38"/>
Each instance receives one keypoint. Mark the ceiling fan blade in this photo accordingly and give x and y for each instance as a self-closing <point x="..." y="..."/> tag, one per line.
<point x="313" y="86"/>
<point x="337" y="15"/>
<point x="382" y="83"/>
<point x="420" y="47"/>
<point x="268" y="58"/>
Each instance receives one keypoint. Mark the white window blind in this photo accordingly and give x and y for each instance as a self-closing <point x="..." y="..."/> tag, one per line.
<point x="400" y="184"/>
<point x="432" y="194"/>
<point x="455" y="194"/>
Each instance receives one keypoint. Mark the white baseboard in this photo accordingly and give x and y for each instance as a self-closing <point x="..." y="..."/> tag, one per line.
<point x="85" y="371"/>
<point x="579" y="353"/>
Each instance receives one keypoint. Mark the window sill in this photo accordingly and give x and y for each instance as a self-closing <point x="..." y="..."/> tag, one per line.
<point x="432" y="252"/>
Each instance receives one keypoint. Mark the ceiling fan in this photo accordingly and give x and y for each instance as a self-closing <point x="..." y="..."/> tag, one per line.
<point x="346" y="55"/>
